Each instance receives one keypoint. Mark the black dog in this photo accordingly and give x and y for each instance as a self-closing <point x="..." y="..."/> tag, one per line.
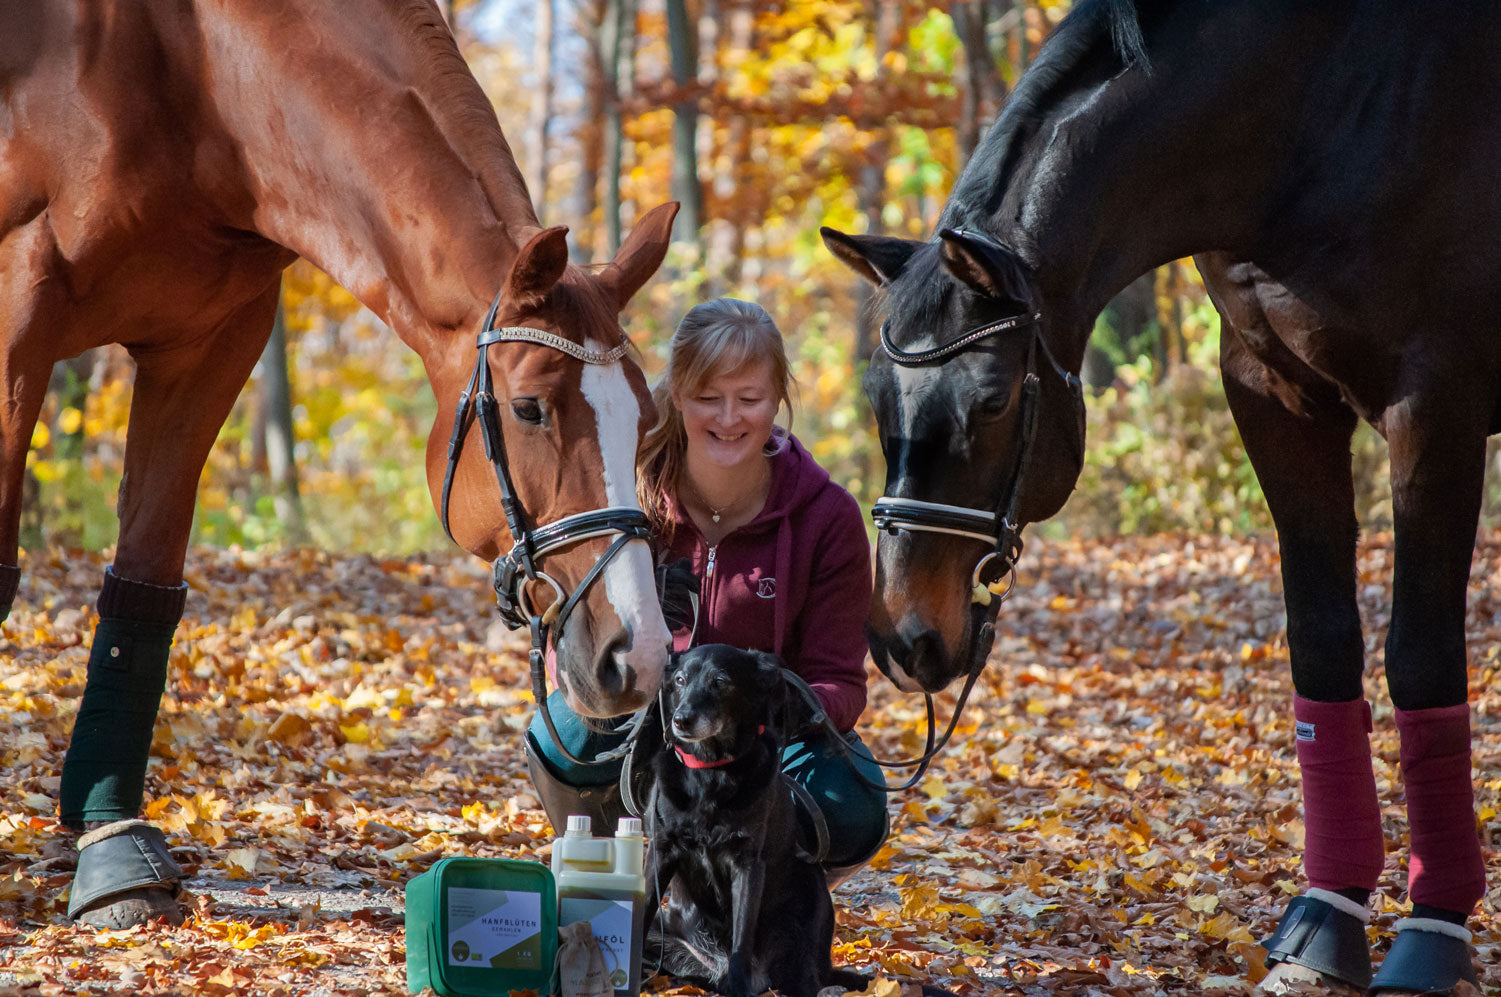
<point x="745" y="911"/>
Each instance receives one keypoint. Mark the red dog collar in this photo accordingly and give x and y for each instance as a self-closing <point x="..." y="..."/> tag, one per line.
<point x="693" y="762"/>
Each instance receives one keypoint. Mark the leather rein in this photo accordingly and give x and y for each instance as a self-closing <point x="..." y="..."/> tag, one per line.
<point x="519" y="566"/>
<point x="994" y="575"/>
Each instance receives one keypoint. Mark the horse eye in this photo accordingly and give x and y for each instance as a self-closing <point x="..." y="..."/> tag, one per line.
<point x="527" y="410"/>
<point x="993" y="406"/>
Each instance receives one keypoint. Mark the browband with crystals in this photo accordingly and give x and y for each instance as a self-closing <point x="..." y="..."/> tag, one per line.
<point x="525" y="334"/>
<point x="906" y="359"/>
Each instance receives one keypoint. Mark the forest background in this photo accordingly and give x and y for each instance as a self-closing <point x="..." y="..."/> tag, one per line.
<point x="766" y="119"/>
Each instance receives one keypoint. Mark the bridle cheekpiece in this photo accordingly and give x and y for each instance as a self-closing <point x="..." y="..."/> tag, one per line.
<point x="514" y="569"/>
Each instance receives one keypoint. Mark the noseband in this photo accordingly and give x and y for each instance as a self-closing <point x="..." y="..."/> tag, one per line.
<point x="513" y="570"/>
<point x="997" y="528"/>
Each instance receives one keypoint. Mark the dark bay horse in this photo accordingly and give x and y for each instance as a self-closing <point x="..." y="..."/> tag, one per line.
<point x="1335" y="167"/>
<point x="161" y="162"/>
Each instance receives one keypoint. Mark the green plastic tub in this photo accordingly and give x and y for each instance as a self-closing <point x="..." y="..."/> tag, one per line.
<point x="482" y="928"/>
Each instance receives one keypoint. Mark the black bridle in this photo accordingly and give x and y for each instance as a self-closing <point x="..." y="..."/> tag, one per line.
<point x="994" y="575"/>
<point x="514" y="569"/>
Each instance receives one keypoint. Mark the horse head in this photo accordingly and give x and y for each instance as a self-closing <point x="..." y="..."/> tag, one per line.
<point x="954" y="431"/>
<point x="569" y="431"/>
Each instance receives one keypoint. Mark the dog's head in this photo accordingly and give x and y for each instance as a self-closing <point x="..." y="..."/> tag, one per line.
<point x="722" y="696"/>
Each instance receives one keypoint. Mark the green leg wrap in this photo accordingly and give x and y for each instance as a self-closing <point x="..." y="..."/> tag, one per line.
<point x="104" y="773"/>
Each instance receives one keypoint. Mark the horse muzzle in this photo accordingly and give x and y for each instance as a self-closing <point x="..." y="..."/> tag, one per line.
<point x="915" y="657"/>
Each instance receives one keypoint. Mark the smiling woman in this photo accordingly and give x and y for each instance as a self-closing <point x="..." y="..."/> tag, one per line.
<point x="770" y="543"/>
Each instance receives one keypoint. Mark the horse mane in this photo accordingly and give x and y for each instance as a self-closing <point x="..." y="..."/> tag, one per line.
<point x="977" y="192"/>
<point x="463" y="113"/>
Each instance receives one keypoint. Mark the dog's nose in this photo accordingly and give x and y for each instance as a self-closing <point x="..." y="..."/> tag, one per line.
<point x="681" y="725"/>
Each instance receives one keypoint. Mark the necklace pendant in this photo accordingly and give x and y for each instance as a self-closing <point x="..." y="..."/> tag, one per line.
<point x="715" y="516"/>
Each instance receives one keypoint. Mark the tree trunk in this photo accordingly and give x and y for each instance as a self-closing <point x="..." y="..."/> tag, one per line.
<point x="870" y="195"/>
<point x="541" y="110"/>
<point x="276" y="415"/>
<point x="727" y="248"/>
<point x="983" y="88"/>
<point x="591" y="132"/>
<point x="611" y="36"/>
<point x="683" y="42"/>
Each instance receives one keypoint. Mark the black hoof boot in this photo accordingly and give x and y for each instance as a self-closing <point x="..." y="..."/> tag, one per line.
<point x="1321" y="931"/>
<point x="126" y="876"/>
<point x="1429" y="956"/>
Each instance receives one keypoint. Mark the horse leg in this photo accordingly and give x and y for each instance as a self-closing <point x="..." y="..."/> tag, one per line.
<point x="182" y="396"/>
<point x="25" y="366"/>
<point x="1301" y="455"/>
<point x="24" y="378"/>
<point x="1437" y="467"/>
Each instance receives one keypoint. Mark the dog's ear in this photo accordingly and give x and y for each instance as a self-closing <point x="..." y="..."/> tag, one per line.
<point x="769" y="679"/>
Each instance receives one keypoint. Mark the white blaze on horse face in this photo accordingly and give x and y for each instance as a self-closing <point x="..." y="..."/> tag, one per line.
<point x="629" y="581"/>
<point x="913" y="385"/>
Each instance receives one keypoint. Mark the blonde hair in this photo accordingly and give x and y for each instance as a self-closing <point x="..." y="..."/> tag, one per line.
<point x="717" y="337"/>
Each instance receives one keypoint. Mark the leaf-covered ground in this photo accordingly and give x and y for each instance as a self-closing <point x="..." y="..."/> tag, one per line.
<point x="1120" y="816"/>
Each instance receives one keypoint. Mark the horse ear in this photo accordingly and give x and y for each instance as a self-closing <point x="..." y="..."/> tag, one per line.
<point x="539" y="264"/>
<point x="641" y="253"/>
<point x="992" y="268"/>
<point x="877" y="258"/>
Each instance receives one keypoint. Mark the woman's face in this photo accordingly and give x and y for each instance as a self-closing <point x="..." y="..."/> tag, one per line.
<point x="729" y="418"/>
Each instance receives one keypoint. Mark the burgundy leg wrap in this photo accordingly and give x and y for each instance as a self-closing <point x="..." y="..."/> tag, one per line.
<point x="1343" y="847"/>
<point x="1446" y="869"/>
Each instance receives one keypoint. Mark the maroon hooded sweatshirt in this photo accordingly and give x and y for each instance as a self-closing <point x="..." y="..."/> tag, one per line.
<point x="795" y="581"/>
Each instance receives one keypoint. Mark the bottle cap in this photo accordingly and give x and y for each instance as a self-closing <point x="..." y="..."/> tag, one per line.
<point x="579" y="824"/>
<point x="628" y="826"/>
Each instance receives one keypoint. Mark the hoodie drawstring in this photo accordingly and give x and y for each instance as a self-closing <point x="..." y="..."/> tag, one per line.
<point x="784" y="571"/>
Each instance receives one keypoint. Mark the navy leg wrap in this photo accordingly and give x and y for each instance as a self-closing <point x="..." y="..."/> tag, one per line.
<point x="104" y="773"/>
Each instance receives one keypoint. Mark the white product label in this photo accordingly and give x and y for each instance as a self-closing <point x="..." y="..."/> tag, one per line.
<point x="501" y="929"/>
<point x="611" y="922"/>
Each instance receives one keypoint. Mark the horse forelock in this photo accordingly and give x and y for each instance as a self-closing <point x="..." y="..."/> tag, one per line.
<point x="919" y="299"/>
<point x="583" y="311"/>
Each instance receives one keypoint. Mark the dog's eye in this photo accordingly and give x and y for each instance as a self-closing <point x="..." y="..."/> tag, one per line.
<point x="680" y="680"/>
<point x="721" y="681"/>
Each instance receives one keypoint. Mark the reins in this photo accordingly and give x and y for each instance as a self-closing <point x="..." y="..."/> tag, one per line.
<point x="513" y="570"/>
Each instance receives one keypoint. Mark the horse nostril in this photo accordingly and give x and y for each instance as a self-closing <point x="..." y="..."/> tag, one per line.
<point x="926" y="647"/>
<point x="616" y="677"/>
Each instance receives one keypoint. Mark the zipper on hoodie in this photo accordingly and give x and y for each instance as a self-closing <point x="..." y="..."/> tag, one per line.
<point x="706" y="593"/>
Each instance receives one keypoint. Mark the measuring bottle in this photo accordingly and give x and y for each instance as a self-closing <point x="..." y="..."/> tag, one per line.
<point x="603" y="881"/>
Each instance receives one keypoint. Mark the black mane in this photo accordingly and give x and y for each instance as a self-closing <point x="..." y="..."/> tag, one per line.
<point x="1068" y="50"/>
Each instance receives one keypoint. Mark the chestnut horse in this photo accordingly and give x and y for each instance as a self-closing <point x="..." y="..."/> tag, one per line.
<point x="1334" y="165"/>
<point x="160" y="164"/>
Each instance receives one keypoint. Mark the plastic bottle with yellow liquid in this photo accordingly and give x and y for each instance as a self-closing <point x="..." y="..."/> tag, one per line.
<point x="603" y="881"/>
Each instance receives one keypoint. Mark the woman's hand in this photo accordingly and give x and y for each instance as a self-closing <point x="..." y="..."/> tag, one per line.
<point x="677" y="590"/>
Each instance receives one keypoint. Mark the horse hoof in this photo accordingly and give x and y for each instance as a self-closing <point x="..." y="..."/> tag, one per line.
<point x="126" y="876"/>
<point x="1290" y="978"/>
<point x="133" y="907"/>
